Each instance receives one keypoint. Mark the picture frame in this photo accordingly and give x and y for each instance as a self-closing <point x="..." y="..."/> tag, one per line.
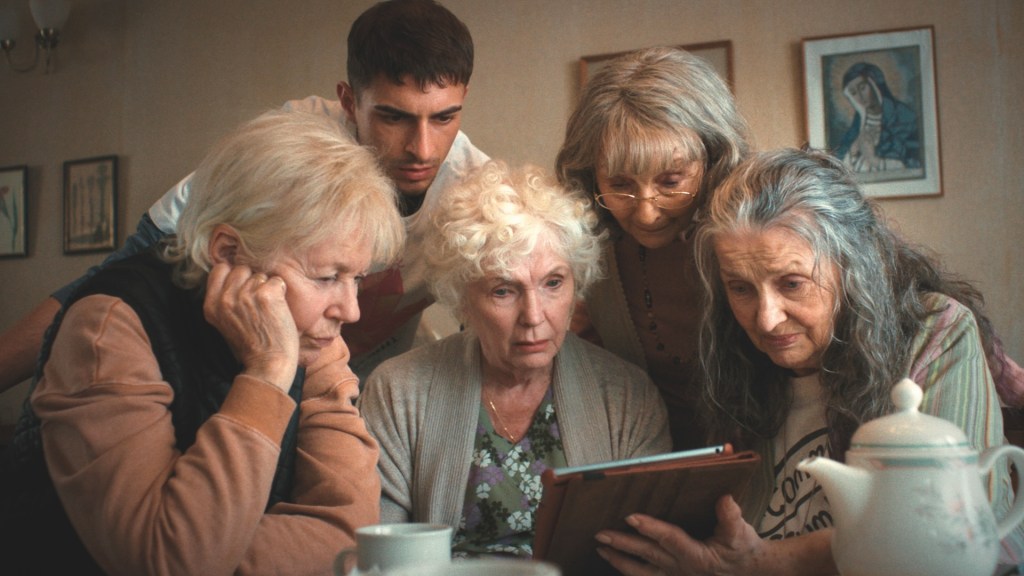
<point x="717" y="53"/>
<point x="90" y="204"/>
<point x="13" y="211"/>
<point x="870" y="100"/>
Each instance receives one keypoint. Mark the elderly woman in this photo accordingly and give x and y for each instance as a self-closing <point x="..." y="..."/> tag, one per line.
<point x="468" y="424"/>
<point x="197" y="411"/>
<point x="814" y="310"/>
<point x="653" y="134"/>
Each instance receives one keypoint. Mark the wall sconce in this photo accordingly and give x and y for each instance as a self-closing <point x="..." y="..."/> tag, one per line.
<point x="49" y="15"/>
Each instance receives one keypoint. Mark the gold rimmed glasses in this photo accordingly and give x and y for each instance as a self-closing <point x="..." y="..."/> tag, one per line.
<point x="620" y="202"/>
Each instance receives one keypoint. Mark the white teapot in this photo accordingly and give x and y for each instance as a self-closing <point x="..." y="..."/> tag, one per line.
<point x="911" y="498"/>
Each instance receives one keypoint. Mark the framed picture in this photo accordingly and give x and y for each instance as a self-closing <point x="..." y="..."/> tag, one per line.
<point x="870" y="101"/>
<point x="13" y="200"/>
<point x="90" y="204"/>
<point x="719" y="54"/>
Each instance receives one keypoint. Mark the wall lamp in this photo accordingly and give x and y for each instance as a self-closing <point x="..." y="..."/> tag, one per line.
<point x="49" y="15"/>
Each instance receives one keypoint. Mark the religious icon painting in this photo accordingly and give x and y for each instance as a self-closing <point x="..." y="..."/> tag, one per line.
<point x="870" y="101"/>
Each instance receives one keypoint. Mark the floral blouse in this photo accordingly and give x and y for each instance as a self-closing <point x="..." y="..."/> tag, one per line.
<point x="504" y="486"/>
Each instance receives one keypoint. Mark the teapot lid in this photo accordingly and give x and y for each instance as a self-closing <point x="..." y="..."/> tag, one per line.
<point x="907" y="428"/>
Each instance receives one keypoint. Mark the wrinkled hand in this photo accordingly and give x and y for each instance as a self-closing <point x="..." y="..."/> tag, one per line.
<point x="663" y="548"/>
<point x="251" y="312"/>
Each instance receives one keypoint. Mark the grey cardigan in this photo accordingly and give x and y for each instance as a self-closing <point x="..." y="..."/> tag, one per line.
<point x="423" y="406"/>
<point x="609" y="313"/>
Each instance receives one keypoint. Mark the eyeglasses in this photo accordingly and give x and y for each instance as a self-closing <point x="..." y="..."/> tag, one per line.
<point x="617" y="201"/>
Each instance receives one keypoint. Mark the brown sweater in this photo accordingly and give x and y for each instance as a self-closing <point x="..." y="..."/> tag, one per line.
<point x="142" y="507"/>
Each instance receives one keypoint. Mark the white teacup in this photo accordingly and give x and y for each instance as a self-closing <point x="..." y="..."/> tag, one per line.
<point x="383" y="547"/>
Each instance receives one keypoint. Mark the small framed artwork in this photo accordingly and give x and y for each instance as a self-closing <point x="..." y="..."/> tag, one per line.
<point x="719" y="54"/>
<point x="13" y="202"/>
<point x="90" y="204"/>
<point x="870" y="101"/>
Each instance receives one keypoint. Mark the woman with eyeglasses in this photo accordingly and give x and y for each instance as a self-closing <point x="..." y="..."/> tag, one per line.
<point x="654" y="133"/>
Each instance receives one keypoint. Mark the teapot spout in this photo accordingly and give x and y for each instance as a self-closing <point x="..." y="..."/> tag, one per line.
<point x="847" y="488"/>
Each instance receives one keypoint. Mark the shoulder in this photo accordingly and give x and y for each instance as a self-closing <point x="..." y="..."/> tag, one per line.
<point x="601" y="394"/>
<point x="464" y="156"/>
<point x="401" y="387"/>
<point x="946" y="315"/>
<point x="413" y="369"/>
<point x="948" y="335"/>
<point x="133" y="287"/>
<point x="892" y="105"/>
<point x="96" y="314"/>
<point x="100" y="338"/>
<point x="143" y="282"/>
<point x="608" y="369"/>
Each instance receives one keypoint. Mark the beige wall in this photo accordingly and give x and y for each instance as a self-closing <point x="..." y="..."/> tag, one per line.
<point x="156" y="82"/>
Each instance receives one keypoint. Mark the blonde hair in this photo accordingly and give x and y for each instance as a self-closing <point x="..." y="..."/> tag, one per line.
<point x="495" y="219"/>
<point x="646" y="107"/>
<point x="286" y="181"/>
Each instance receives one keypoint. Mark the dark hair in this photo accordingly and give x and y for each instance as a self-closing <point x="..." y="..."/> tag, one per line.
<point x="418" y="38"/>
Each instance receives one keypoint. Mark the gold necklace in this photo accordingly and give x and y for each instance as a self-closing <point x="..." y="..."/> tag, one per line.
<point x="511" y="437"/>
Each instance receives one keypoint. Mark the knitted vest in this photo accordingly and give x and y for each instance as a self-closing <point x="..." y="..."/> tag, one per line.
<point x="193" y="358"/>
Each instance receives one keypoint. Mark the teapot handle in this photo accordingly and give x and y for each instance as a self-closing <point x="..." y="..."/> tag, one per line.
<point x="985" y="464"/>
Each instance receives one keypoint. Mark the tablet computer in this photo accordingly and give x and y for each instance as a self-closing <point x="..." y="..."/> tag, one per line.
<point x="678" y="487"/>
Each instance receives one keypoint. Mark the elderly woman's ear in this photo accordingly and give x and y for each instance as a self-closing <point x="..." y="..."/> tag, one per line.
<point x="225" y="244"/>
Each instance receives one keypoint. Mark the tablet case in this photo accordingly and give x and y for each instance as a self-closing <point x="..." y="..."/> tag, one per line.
<point x="684" y="490"/>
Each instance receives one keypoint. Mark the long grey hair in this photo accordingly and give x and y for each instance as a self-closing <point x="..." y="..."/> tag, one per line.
<point x="879" y="306"/>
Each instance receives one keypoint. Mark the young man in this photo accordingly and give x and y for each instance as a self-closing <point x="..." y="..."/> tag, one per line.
<point x="409" y="64"/>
